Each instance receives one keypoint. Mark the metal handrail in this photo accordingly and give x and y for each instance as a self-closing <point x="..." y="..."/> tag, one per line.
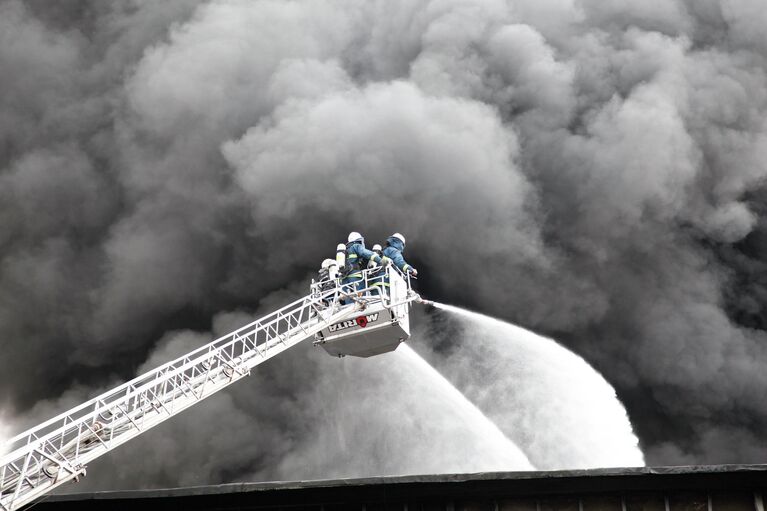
<point x="364" y="288"/>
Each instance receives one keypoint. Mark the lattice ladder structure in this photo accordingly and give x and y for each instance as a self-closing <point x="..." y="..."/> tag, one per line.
<point x="58" y="450"/>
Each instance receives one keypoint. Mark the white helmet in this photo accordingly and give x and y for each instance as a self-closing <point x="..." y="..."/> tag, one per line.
<point x="355" y="236"/>
<point x="399" y="237"/>
<point x="377" y="248"/>
<point x="327" y="263"/>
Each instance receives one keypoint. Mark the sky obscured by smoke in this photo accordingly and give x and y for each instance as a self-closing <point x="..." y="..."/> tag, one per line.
<point x="592" y="170"/>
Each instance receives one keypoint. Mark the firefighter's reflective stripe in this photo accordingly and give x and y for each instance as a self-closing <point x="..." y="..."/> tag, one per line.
<point x="380" y="283"/>
<point x="356" y="271"/>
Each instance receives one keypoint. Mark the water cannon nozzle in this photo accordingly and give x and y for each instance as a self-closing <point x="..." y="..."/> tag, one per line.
<point x="428" y="303"/>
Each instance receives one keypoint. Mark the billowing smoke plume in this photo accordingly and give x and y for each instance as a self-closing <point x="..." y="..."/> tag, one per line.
<point x="592" y="170"/>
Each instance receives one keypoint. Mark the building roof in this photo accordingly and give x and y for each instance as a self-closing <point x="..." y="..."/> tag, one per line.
<point x="487" y="487"/>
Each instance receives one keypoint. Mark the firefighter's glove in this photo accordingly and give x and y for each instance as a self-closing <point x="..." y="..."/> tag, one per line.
<point x="413" y="272"/>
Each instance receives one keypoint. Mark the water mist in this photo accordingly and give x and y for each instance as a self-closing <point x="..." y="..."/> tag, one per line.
<point x="560" y="411"/>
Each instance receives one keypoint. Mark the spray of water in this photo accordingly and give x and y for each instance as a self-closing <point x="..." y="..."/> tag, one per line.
<point x="453" y="399"/>
<point x="394" y="414"/>
<point x="547" y="400"/>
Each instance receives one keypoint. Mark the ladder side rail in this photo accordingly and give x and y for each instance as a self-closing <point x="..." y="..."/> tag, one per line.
<point x="299" y="332"/>
<point x="85" y="409"/>
<point x="152" y="373"/>
<point x="290" y="322"/>
<point x="130" y="396"/>
<point x="140" y="384"/>
<point x="278" y="348"/>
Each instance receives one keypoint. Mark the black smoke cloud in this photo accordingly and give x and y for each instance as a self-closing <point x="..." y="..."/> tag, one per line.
<point x="592" y="170"/>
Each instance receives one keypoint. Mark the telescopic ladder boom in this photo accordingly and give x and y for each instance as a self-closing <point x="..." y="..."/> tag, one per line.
<point x="58" y="450"/>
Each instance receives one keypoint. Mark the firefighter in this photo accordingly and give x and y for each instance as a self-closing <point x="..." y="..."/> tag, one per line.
<point x="329" y="270"/>
<point x="327" y="278"/>
<point x="377" y="274"/>
<point x="395" y="245"/>
<point x="357" y="258"/>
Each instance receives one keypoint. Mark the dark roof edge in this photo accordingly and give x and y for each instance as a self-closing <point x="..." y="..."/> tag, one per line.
<point x="562" y="480"/>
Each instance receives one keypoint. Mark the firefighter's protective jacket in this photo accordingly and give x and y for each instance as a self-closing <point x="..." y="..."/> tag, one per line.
<point x="357" y="257"/>
<point x="394" y="252"/>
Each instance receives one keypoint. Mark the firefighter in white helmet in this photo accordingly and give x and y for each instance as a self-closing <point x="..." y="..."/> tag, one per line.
<point x="395" y="245"/>
<point x="357" y="258"/>
<point x="377" y="272"/>
<point x="378" y="250"/>
<point x="327" y="277"/>
<point x="329" y="270"/>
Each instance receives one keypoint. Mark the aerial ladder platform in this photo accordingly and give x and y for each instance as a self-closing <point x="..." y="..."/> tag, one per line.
<point x="364" y="318"/>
